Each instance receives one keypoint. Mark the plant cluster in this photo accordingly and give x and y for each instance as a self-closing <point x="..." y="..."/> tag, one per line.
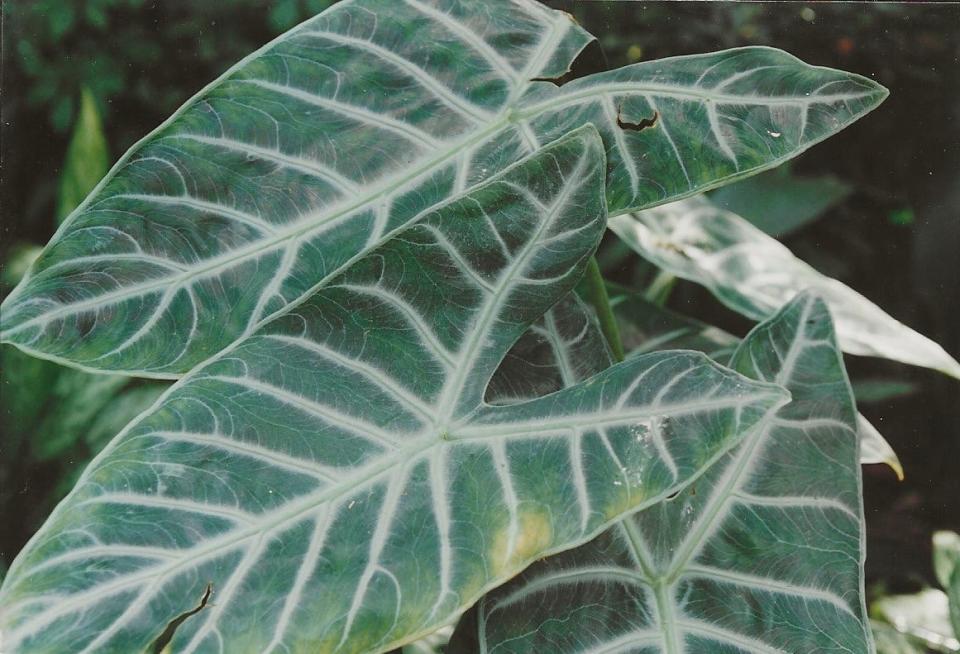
<point x="402" y="389"/>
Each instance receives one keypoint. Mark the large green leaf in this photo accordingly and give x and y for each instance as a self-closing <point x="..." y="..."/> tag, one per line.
<point x="335" y="481"/>
<point x="317" y="148"/>
<point x="754" y="274"/>
<point x="763" y="553"/>
<point x="648" y="327"/>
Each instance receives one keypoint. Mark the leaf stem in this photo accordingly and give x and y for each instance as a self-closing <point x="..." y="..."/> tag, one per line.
<point x="596" y="295"/>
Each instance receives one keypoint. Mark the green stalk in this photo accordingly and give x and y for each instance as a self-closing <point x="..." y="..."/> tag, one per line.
<point x="596" y="295"/>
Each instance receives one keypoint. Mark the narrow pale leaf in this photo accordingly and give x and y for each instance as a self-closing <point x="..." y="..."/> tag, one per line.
<point x="87" y="159"/>
<point x="763" y="553"/>
<point x="318" y="147"/>
<point x="336" y="482"/>
<point x="754" y="274"/>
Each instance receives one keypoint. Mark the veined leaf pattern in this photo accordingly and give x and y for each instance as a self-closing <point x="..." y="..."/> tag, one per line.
<point x="754" y="274"/>
<point x="317" y="148"/>
<point x="335" y="481"/>
<point x="763" y="553"/>
<point x="567" y="346"/>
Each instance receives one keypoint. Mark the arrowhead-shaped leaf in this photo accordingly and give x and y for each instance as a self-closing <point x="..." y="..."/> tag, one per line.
<point x="763" y="553"/>
<point x="335" y="481"/>
<point x="319" y="147"/>
<point x="754" y="274"/>
<point x="567" y="346"/>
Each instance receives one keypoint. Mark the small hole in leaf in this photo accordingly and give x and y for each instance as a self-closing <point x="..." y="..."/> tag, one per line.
<point x="636" y="127"/>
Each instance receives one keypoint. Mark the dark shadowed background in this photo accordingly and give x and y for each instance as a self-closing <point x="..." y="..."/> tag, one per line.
<point x="895" y="237"/>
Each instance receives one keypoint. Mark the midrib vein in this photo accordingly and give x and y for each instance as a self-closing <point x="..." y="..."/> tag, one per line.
<point x="662" y="589"/>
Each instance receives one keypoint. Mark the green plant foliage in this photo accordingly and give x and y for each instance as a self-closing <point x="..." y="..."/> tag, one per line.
<point x="875" y="390"/>
<point x="946" y="555"/>
<point x="57" y="419"/>
<point x="355" y="252"/>
<point x="763" y="553"/>
<point x="922" y="618"/>
<point x="58" y="48"/>
<point x="754" y="274"/>
<point x="890" y="641"/>
<point x="928" y="620"/>
<point x="330" y="432"/>
<point x="946" y="563"/>
<point x="19" y="260"/>
<point x="286" y="169"/>
<point x="780" y="203"/>
<point x="647" y="327"/>
<point x="87" y="158"/>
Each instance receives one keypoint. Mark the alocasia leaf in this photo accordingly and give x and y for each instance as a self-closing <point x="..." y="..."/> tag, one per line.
<point x="763" y="553"/>
<point x="754" y="274"/>
<point x="335" y="481"/>
<point x="320" y="146"/>
<point x="647" y="327"/>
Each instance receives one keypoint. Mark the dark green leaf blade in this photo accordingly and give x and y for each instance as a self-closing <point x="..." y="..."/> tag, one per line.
<point x="278" y="175"/>
<point x="337" y="478"/>
<point x="761" y="554"/>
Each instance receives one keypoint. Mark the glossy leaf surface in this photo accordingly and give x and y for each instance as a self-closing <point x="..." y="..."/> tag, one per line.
<point x="647" y="327"/>
<point x="763" y="553"/>
<point x="335" y="482"/>
<point x="754" y="274"/>
<point x="317" y="148"/>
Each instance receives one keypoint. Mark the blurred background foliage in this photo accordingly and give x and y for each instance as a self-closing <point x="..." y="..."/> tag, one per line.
<point x="876" y="206"/>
